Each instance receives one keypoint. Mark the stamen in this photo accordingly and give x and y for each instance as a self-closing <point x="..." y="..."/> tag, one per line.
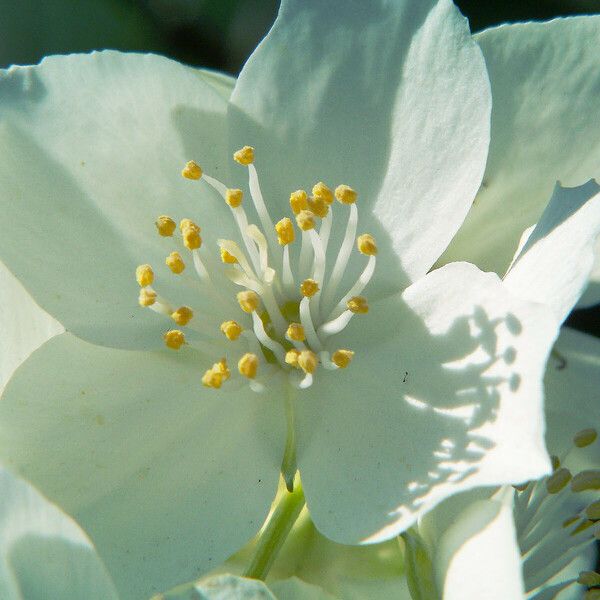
<point x="147" y="297"/>
<point x="321" y="191"/>
<point x="165" y="225"/>
<point x="305" y="220"/>
<point x="309" y="329"/>
<point x="233" y="249"/>
<point x="262" y="336"/>
<point x="358" y="305"/>
<point x="285" y="231"/>
<point x="366" y="244"/>
<point x="174" y="339"/>
<point x="287" y="275"/>
<point x="188" y="224"/>
<point x="248" y="365"/>
<point x="291" y="357"/>
<point x="144" y="275"/>
<point x="231" y="329"/>
<point x="318" y="206"/>
<point x="295" y="332"/>
<point x="261" y="208"/>
<point x="175" y="263"/>
<point x="336" y="325"/>
<point x="183" y="315"/>
<point x="256" y="234"/>
<point x="227" y="258"/>
<point x="191" y="170"/>
<point x="308" y="361"/>
<point x="558" y="480"/>
<point x="234" y="197"/>
<point x="586" y="480"/>
<point x="345" y="194"/>
<point x="593" y="511"/>
<point x="191" y="238"/>
<point x="298" y="201"/>
<point x="248" y="301"/>
<point x="244" y="156"/>
<point x="342" y="358"/>
<point x="356" y="289"/>
<point x="215" y="376"/>
<point x="309" y="287"/>
<point x="585" y="437"/>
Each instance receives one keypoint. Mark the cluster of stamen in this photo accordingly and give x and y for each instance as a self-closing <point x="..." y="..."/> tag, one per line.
<point x="548" y="540"/>
<point x="288" y="308"/>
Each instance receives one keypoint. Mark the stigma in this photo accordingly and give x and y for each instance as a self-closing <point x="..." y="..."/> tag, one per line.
<point x="280" y="291"/>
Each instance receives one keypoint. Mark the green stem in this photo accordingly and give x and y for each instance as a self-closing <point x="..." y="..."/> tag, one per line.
<point x="275" y="533"/>
<point x="288" y="465"/>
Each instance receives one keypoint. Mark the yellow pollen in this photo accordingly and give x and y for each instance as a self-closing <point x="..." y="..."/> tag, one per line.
<point x="285" y="231"/>
<point x="593" y="511"/>
<point x="366" y="244"/>
<point x="305" y="220"/>
<point x="231" y="330"/>
<point x="223" y="368"/>
<point x="320" y="190"/>
<point x="191" y="238"/>
<point x="248" y="365"/>
<point x="291" y="357"/>
<point x="175" y="262"/>
<point x="234" y="197"/>
<point x="227" y="258"/>
<point x="165" y="225"/>
<point x="174" y="339"/>
<point x="358" y="305"/>
<point x="586" y="480"/>
<point x="244" y="156"/>
<point x="345" y="194"/>
<point x="588" y="578"/>
<point x="248" y="300"/>
<point x="188" y="224"/>
<point x="183" y="315"/>
<point x="308" y="361"/>
<point x="558" y="480"/>
<point x="309" y="287"/>
<point x="212" y="379"/>
<point x="295" y="332"/>
<point x="585" y="437"/>
<point x="298" y="201"/>
<point x="318" y="206"/>
<point x="147" y="297"/>
<point x="144" y="275"/>
<point x="191" y="170"/>
<point x="342" y="358"/>
<point x="582" y="527"/>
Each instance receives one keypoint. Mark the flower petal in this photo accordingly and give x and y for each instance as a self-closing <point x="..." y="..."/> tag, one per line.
<point x="95" y="145"/>
<point x="545" y="84"/>
<point x="223" y="587"/>
<point x="554" y="264"/>
<point x="43" y="553"/>
<point x="166" y="479"/>
<point x="391" y="98"/>
<point x="24" y="326"/>
<point x="444" y="394"/>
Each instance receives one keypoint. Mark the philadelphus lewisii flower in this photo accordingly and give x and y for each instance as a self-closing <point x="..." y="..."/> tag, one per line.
<point x="290" y="318"/>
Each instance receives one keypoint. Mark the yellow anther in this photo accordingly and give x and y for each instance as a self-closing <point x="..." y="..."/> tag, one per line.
<point x="358" y="305"/>
<point x="308" y="361"/>
<point x="586" y="480"/>
<point x="291" y="357"/>
<point x="248" y="365"/>
<point x="309" y="287"/>
<point x="588" y="578"/>
<point x="144" y="275"/>
<point x="345" y="194"/>
<point x="585" y="524"/>
<point x="234" y="197"/>
<point x="298" y="201"/>
<point x="568" y="522"/>
<point x="320" y="190"/>
<point x="165" y="225"/>
<point x="231" y="330"/>
<point x="585" y="437"/>
<point x="318" y="206"/>
<point x="212" y="379"/>
<point x="188" y="224"/>
<point x="227" y="258"/>
<point x="555" y="462"/>
<point x="342" y="358"/>
<point x="183" y="315"/>
<point x="248" y="300"/>
<point x="223" y="368"/>
<point x="521" y="487"/>
<point x="305" y="220"/>
<point x="191" y="170"/>
<point x="285" y="231"/>
<point x="191" y="238"/>
<point x="244" y="156"/>
<point x="593" y="511"/>
<point x="147" y="297"/>
<point x="175" y="263"/>
<point x="295" y="332"/>
<point x="558" y="480"/>
<point x="174" y="339"/>
<point x="366" y="244"/>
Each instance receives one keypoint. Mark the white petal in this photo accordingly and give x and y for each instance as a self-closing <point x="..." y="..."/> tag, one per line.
<point x="24" y="326"/>
<point x="167" y="478"/>
<point x="444" y="394"/>
<point x="228" y="587"/>
<point x="391" y="98"/>
<point x="94" y="145"/>
<point x="43" y="553"/>
<point x="545" y="81"/>
<point x="591" y="295"/>
<point x="554" y="264"/>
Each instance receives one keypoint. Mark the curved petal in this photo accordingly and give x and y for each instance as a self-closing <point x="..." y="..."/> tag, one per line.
<point x="94" y="146"/>
<point x="591" y="295"/>
<point x="555" y="262"/>
<point x="24" y="326"/>
<point x="166" y="479"/>
<point x="43" y="553"/>
<point x="545" y="83"/>
<point x="391" y="98"/>
<point x="444" y="394"/>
